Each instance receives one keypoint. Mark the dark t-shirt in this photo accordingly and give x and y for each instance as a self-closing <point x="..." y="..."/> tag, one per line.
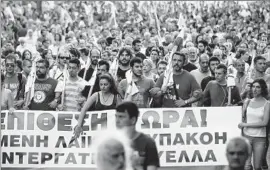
<point x="121" y="74"/>
<point x="88" y="75"/>
<point x="205" y="81"/>
<point x="43" y="95"/>
<point x="147" y="150"/>
<point x="189" y="67"/>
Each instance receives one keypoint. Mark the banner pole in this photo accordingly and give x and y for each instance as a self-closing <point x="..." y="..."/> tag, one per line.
<point x="0" y="93"/>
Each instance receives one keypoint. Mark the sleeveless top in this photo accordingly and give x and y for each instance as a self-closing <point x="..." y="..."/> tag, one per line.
<point x="100" y="106"/>
<point x="255" y="115"/>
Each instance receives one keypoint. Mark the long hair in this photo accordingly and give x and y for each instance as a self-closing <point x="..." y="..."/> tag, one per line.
<point x="264" y="89"/>
<point x="109" y="78"/>
<point x="111" y="139"/>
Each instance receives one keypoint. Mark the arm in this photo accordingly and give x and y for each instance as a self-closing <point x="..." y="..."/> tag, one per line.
<point x="265" y="119"/>
<point x="196" y="91"/>
<point x="90" y="101"/>
<point x="152" y="159"/>
<point x="205" y="96"/>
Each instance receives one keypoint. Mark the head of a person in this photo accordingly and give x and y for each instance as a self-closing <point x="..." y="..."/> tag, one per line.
<point x="27" y="66"/>
<point x="161" y="67"/>
<point x="147" y="36"/>
<point x="42" y="68"/>
<point x="26" y="55"/>
<point x="10" y="63"/>
<point x="103" y="67"/>
<point x="224" y="50"/>
<point x="189" y="44"/>
<point x="84" y="52"/>
<point x="22" y="41"/>
<point x="128" y="41"/>
<point x="107" y="83"/>
<point x="137" y="45"/>
<point x="106" y="55"/>
<point x="112" y="150"/>
<point x="193" y="54"/>
<point x="125" y="55"/>
<point x="178" y="61"/>
<point x="18" y="67"/>
<point x="136" y="65"/>
<point x="154" y="55"/>
<point x="126" y="115"/>
<point x="252" y="44"/>
<point x="57" y="37"/>
<point x="221" y="72"/>
<point x="95" y="56"/>
<point x="259" y="88"/>
<point x="114" y="53"/>
<point x="64" y="57"/>
<point x="217" y="53"/>
<point x="202" y="45"/>
<point x="237" y="152"/>
<point x="147" y="65"/>
<point x="74" y="66"/>
<point x="260" y="64"/>
<point x="204" y="62"/>
<point x="46" y="43"/>
<point x="240" y="65"/>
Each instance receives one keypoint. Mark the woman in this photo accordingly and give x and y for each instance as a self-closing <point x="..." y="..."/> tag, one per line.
<point x="6" y="97"/>
<point x="256" y="115"/>
<point x="26" y="55"/>
<point x="47" y="54"/>
<point x="147" y="68"/>
<point x="106" y="99"/>
<point x="154" y="55"/>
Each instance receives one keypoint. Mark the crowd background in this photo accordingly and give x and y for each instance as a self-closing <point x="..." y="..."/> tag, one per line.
<point x="86" y="55"/>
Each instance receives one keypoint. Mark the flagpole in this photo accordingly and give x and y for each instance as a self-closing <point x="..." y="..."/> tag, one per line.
<point x="0" y="96"/>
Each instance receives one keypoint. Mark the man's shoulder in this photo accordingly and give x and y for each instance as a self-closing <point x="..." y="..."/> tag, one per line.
<point x="143" y="138"/>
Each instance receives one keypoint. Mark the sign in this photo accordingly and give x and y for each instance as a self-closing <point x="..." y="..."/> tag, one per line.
<point x="184" y="136"/>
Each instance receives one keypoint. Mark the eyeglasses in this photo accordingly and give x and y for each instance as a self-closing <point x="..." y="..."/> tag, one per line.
<point x="10" y="65"/>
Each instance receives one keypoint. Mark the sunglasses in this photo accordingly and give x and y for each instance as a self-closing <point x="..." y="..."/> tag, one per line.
<point x="62" y="57"/>
<point x="10" y="65"/>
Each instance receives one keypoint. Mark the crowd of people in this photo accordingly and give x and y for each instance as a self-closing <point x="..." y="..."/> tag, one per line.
<point x="93" y="55"/>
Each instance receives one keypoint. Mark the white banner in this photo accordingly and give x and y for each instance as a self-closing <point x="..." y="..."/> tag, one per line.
<point x="184" y="136"/>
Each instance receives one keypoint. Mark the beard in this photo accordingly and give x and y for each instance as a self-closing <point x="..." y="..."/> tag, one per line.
<point x="123" y="63"/>
<point x="41" y="75"/>
<point x="94" y="62"/>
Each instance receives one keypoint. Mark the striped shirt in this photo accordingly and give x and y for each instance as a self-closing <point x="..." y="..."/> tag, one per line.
<point x="73" y="100"/>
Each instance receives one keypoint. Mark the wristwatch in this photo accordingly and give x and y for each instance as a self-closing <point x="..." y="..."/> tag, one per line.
<point x="186" y="102"/>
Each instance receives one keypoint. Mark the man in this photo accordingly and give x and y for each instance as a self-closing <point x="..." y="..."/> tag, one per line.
<point x="143" y="84"/>
<point x="94" y="56"/>
<point x="126" y="117"/>
<point x="240" y="74"/>
<point x="73" y="98"/>
<point x="26" y="66"/>
<point x="203" y="70"/>
<point x="85" y="59"/>
<point x="187" y="65"/>
<point x="45" y="97"/>
<point x="15" y="82"/>
<point x="125" y="56"/>
<point x="193" y="56"/>
<point x="161" y="67"/>
<point x="184" y="91"/>
<point x="237" y="152"/>
<point x="213" y="63"/>
<point x="217" y="90"/>
<point x="137" y="44"/>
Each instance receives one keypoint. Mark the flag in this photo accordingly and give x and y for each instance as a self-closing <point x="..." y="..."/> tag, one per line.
<point x="132" y="89"/>
<point x="114" y="68"/>
<point x="92" y="80"/>
<point x="30" y="84"/>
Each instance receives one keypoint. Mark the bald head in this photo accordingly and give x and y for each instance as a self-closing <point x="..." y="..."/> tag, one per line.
<point x="237" y="152"/>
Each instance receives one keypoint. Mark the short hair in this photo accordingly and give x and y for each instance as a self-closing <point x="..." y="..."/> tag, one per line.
<point x="85" y="51"/>
<point x="245" y="141"/>
<point x="129" y="107"/>
<point x="264" y="89"/>
<point x="257" y="58"/>
<point x="136" y="41"/>
<point x="95" y="49"/>
<point x="180" y="54"/>
<point x="205" y="43"/>
<point x="74" y="52"/>
<point x="203" y="55"/>
<point x="75" y="61"/>
<point x="214" y="59"/>
<point x="162" y="62"/>
<point x="222" y="66"/>
<point x="19" y="64"/>
<point x="103" y="62"/>
<point x="135" y="60"/>
<point x="11" y="56"/>
<point x="44" y="61"/>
